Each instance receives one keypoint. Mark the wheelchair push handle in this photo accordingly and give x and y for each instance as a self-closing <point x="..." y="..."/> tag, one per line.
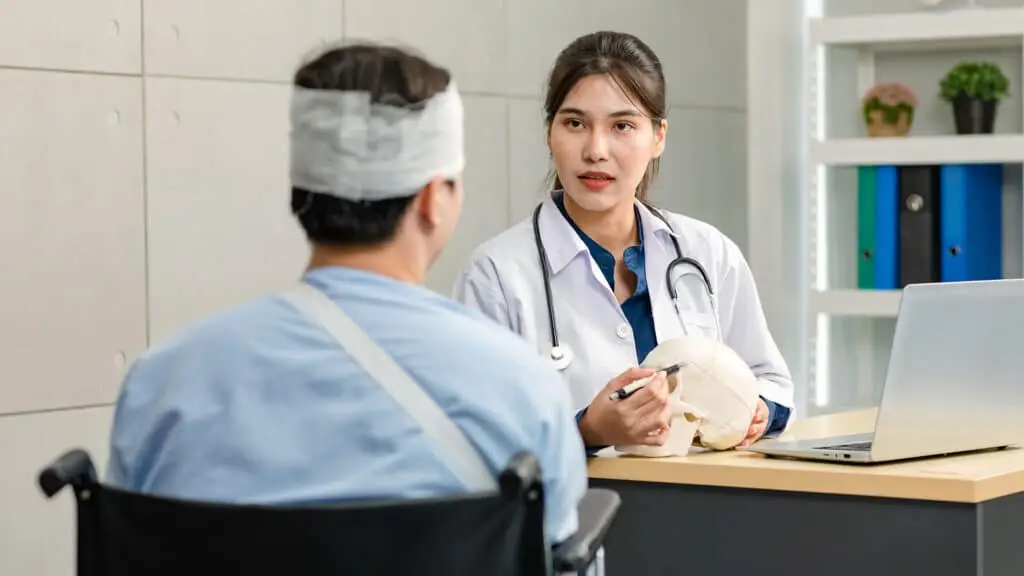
<point x="522" y="474"/>
<point x="73" y="467"/>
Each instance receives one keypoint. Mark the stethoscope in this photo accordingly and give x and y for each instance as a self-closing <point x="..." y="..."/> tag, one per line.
<point x="562" y="356"/>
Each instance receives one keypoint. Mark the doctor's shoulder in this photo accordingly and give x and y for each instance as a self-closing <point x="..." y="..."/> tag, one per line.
<point x="497" y="272"/>
<point x="705" y="242"/>
<point x="512" y="249"/>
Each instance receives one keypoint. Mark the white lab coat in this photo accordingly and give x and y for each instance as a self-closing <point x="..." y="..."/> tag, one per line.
<point x="503" y="281"/>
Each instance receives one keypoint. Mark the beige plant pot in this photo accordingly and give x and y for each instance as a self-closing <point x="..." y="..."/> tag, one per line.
<point x="878" y="128"/>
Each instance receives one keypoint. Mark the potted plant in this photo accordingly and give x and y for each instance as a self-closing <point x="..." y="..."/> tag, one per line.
<point x="888" y="109"/>
<point x="974" y="89"/>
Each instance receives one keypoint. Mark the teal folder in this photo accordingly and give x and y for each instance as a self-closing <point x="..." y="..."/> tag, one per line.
<point x="866" y="200"/>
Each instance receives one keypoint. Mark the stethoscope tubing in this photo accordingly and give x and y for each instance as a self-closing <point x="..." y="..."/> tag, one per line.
<point x="557" y="353"/>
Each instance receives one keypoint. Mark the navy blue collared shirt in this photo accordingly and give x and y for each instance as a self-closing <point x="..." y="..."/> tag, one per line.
<point x="637" y="308"/>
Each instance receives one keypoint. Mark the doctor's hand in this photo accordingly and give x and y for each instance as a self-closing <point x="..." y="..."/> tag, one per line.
<point x="642" y="418"/>
<point x="758" y="426"/>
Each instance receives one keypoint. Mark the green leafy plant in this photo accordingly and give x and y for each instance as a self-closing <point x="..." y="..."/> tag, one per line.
<point x="979" y="80"/>
<point x="891" y="99"/>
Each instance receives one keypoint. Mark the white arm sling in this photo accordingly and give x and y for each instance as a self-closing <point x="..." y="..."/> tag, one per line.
<point x="462" y="456"/>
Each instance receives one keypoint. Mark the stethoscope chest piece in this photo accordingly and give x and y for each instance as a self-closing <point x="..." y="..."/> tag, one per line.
<point x="561" y="357"/>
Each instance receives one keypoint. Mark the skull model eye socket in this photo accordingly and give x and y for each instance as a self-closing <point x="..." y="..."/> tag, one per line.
<point x="673" y="383"/>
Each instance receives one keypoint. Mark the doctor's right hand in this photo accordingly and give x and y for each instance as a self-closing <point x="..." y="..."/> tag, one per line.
<point x="642" y="418"/>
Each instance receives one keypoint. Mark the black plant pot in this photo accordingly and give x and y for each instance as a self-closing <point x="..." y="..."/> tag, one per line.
<point x="973" y="115"/>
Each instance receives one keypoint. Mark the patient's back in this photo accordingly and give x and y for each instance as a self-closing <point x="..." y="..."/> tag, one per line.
<point x="259" y="404"/>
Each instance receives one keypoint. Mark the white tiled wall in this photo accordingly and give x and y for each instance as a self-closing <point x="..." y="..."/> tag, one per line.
<point x="143" y="180"/>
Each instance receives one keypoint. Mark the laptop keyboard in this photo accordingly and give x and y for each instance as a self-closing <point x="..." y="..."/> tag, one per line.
<point x="851" y="447"/>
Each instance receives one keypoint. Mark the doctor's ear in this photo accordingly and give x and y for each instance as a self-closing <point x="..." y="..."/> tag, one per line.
<point x="660" y="131"/>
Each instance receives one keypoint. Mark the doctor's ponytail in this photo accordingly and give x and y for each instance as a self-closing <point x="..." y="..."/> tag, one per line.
<point x="630" y="63"/>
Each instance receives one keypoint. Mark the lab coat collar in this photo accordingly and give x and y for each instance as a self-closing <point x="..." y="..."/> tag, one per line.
<point x="656" y="225"/>
<point x="562" y="243"/>
<point x="659" y="253"/>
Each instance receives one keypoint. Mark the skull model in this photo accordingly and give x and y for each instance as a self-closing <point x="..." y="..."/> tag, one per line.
<point x="713" y="397"/>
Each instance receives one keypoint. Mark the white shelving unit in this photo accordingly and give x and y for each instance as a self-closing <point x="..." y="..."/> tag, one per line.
<point x="849" y="302"/>
<point x="918" y="150"/>
<point x="931" y="31"/>
<point x="928" y="31"/>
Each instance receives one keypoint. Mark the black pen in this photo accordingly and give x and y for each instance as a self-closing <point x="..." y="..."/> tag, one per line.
<point x="628" y="390"/>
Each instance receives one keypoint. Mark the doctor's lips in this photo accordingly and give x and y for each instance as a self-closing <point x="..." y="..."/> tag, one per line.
<point x="596" y="180"/>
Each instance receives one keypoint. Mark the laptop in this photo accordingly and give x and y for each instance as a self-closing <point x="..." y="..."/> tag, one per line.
<point x="954" y="382"/>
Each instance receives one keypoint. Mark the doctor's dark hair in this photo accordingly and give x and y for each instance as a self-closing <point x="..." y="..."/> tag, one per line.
<point x="390" y="75"/>
<point x="629" y="62"/>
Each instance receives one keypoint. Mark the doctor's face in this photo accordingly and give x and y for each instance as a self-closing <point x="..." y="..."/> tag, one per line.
<point x="602" y="142"/>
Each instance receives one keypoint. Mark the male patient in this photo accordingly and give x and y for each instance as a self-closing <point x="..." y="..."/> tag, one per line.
<point x="260" y="404"/>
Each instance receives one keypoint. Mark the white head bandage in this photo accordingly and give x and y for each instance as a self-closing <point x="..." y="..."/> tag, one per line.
<point x="344" y="145"/>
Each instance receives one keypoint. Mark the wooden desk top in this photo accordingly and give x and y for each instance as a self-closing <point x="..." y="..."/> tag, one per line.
<point x="969" y="478"/>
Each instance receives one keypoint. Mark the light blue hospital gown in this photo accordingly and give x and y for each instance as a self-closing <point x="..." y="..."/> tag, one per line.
<point x="259" y="404"/>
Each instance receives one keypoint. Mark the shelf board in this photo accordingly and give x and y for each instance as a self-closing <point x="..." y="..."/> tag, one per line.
<point x="967" y="149"/>
<point x="977" y="28"/>
<point x="863" y="303"/>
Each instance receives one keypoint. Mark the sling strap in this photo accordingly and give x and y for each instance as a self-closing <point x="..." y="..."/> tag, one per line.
<point x="463" y="457"/>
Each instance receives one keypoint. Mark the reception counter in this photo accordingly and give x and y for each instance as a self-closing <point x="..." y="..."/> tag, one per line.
<point x="725" y="513"/>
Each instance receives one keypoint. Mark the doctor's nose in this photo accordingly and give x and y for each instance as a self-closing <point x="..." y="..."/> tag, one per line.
<point x="596" y="148"/>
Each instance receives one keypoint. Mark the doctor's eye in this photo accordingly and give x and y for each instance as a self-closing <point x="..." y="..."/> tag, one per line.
<point x="624" y="126"/>
<point x="574" y="123"/>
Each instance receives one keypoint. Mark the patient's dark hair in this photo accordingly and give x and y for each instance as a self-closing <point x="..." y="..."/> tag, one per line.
<point x="393" y="76"/>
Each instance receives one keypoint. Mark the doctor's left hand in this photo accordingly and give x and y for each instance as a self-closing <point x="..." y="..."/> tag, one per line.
<point x="758" y="425"/>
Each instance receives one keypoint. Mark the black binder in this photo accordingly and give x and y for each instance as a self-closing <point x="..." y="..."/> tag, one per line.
<point x="920" y="242"/>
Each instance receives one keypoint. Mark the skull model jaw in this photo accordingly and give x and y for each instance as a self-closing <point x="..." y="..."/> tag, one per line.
<point x="682" y="430"/>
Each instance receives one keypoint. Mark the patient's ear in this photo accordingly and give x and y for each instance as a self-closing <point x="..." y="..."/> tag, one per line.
<point x="430" y="201"/>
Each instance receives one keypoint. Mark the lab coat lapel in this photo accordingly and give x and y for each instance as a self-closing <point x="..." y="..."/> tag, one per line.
<point x="658" y="254"/>
<point x="563" y="244"/>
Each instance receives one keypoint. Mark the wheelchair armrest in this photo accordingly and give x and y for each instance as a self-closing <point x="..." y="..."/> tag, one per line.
<point x="73" y="467"/>
<point x="597" y="511"/>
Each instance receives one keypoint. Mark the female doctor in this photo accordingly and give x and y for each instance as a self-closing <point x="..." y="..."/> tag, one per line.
<point x="596" y="277"/>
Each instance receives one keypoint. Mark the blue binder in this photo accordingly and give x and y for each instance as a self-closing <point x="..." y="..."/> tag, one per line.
<point x="887" y="227"/>
<point x="971" y="222"/>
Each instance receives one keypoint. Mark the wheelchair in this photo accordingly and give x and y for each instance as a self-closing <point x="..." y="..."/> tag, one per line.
<point x="121" y="533"/>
